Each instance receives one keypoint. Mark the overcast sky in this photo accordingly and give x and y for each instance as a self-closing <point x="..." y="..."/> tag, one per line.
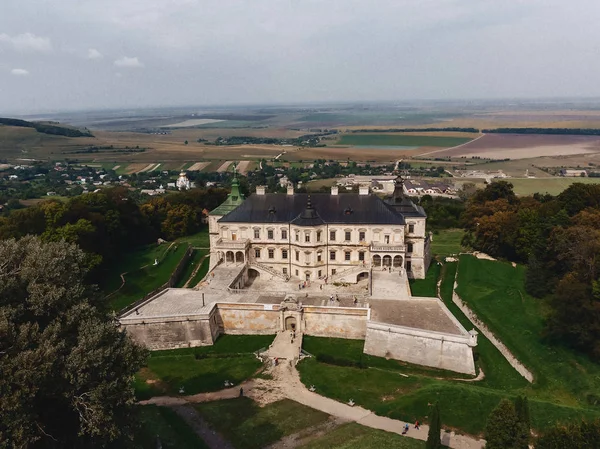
<point x="76" y="54"/>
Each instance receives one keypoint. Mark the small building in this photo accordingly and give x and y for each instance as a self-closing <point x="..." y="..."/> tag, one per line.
<point x="573" y="173"/>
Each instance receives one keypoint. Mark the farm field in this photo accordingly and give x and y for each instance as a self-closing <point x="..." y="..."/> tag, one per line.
<point x="553" y="186"/>
<point x="400" y="140"/>
<point x="447" y="242"/>
<point x="521" y="146"/>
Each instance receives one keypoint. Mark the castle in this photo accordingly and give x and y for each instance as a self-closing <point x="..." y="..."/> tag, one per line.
<point x="328" y="265"/>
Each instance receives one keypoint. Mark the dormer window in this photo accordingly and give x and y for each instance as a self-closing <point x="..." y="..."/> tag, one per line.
<point x="272" y="210"/>
<point x="348" y="211"/>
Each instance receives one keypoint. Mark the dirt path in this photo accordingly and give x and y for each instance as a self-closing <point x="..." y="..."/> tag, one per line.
<point x="307" y="435"/>
<point x="213" y="439"/>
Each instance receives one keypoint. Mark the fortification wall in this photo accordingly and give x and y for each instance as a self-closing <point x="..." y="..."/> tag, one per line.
<point x="338" y="322"/>
<point x="450" y="352"/>
<point x="248" y="319"/>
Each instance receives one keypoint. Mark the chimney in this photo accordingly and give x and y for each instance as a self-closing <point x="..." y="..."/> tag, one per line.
<point x="290" y="189"/>
<point x="260" y="190"/>
<point x="334" y="190"/>
<point x="363" y="190"/>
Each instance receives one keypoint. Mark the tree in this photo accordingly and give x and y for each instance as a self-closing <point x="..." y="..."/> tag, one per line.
<point x="584" y="435"/>
<point x="186" y="142"/>
<point x="435" y="427"/>
<point x="65" y="367"/>
<point x="522" y="411"/>
<point x="503" y="429"/>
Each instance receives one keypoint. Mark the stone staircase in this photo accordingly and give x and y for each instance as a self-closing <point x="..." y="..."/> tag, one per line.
<point x="269" y="270"/>
<point x="350" y="271"/>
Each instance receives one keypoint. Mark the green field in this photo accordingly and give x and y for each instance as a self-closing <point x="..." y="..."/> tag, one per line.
<point x="141" y="281"/>
<point x="447" y="242"/>
<point x="400" y="140"/>
<point x="566" y="383"/>
<point x="248" y="426"/>
<point x="198" y="240"/>
<point x="165" y="424"/>
<point x="201" y="369"/>
<point x="427" y="286"/>
<point x="553" y="186"/>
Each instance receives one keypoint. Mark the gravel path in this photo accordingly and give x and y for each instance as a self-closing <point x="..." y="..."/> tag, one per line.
<point x="213" y="439"/>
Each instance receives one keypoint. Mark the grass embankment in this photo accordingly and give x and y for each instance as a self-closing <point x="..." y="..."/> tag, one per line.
<point x="198" y="240"/>
<point x="201" y="369"/>
<point x="200" y="273"/>
<point x="141" y="281"/>
<point x="197" y="258"/>
<point x="401" y="140"/>
<point x="248" y="426"/>
<point x="165" y="424"/>
<point x="447" y="242"/>
<point x="355" y="436"/>
<point x="564" y="384"/>
<point x="427" y="286"/>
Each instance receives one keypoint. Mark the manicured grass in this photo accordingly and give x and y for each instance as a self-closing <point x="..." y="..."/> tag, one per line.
<point x="400" y="140"/>
<point x="201" y="369"/>
<point x="494" y="290"/>
<point x="199" y="240"/>
<point x="165" y="424"/>
<point x="248" y="426"/>
<point x="192" y="263"/>
<point x="447" y="242"/>
<point x="355" y="436"/>
<point x="427" y="286"/>
<point x="200" y="273"/>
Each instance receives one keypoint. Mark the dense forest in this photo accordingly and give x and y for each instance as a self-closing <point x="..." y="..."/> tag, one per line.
<point x="563" y="131"/>
<point x="45" y="128"/>
<point x="559" y="238"/>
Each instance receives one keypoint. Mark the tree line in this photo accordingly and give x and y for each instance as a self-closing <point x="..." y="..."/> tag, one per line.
<point x="113" y="221"/>
<point x="559" y="131"/>
<point x="46" y="128"/>
<point x="559" y="240"/>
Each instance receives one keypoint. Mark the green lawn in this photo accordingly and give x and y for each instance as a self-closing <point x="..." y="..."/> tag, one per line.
<point x="564" y="380"/>
<point x="401" y="140"/>
<point x="172" y="431"/>
<point x="427" y="286"/>
<point x="201" y="369"/>
<point x="355" y="436"/>
<point x="494" y="290"/>
<point x="197" y="257"/>
<point x="199" y="240"/>
<point x="248" y="426"/>
<point x="201" y="272"/>
<point x="142" y="281"/>
<point x="447" y="242"/>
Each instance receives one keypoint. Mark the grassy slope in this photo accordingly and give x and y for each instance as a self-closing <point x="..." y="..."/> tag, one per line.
<point x="230" y="358"/>
<point x="248" y="426"/>
<point x="173" y="432"/>
<point x="355" y="436"/>
<point x="200" y="273"/>
<point x="197" y="257"/>
<point x="427" y="286"/>
<point x="447" y="242"/>
<point x="401" y="140"/>
<point x="142" y="281"/>
<point x="494" y="290"/>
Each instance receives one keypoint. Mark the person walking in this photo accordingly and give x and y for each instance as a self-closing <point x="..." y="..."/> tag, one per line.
<point x="241" y="392"/>
<point x="417" y="424"/>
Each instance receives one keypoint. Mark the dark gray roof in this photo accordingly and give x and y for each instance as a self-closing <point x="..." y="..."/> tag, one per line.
<point x="325" y="208"/>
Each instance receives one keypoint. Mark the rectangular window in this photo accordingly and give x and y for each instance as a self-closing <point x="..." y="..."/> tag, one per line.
<point x="296" y="272"/>
<point x="271" y="254"/>
<point x="347" y="255"/>
<point x="257" y="233"/>
<point x="257" y="253"/>
<point x="318" y="236"/>
<point x="284" y="253"/>
<point x="411" y="228"/>
<point x="409" y="247"/>
<point x="333" y="271"/>
<point x="319" y="257"/>
<point x="297" y="236"/>
<point x="331" y="255"/>
<point x="307" y="237"/>
<point x="347" y="235"/>
<point x="284" y="234"/>
<point x="319" y="273"/>
<point x="297" y="256"/>
<point x="270" y="234"/>
<point x="332" y="236"/>
<point x="361" y="256"/>
<point x="408" y="266"/>
<point x="284" y="271"/>
<point x="361" y="236"/>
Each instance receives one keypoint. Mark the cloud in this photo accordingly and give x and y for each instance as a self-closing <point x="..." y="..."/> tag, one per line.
<point x="27" y="42"/>
<point x="129" y="62"/>
<point x="94" y="54"/>
<point x="19" y="72"/>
